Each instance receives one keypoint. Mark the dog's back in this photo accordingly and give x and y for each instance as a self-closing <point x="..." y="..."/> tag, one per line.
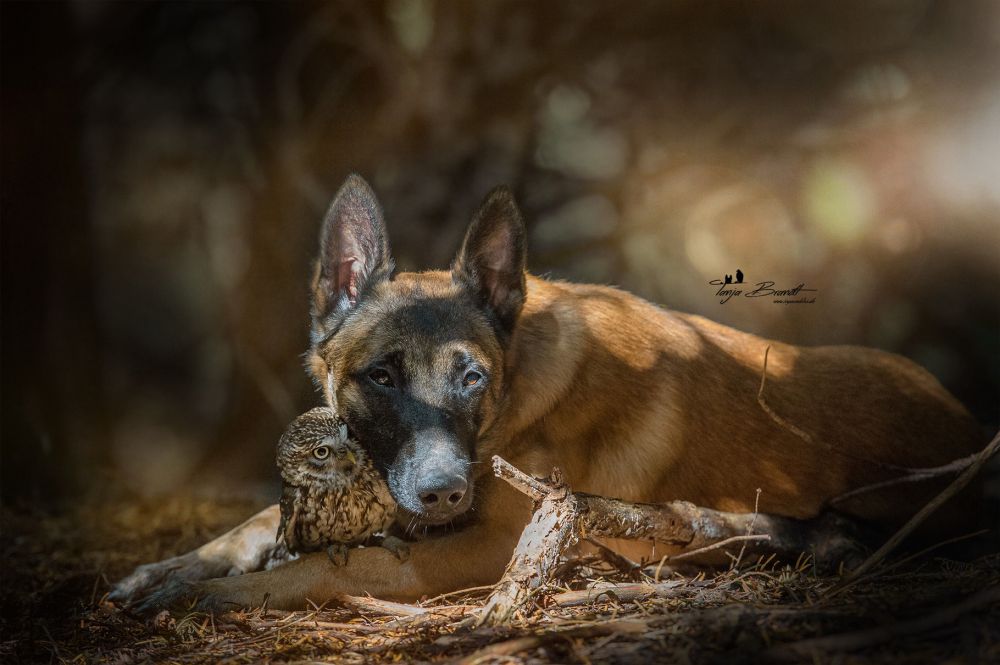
<point x="651" y="405"/>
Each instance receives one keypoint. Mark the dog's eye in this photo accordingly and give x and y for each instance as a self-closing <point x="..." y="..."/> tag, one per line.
<point x="380" y="377"/>
<point x="321" y="452"/>
<point x="472" y="378"/>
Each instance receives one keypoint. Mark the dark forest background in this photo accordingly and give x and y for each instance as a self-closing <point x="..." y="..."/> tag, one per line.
<point x="166" y="165"/>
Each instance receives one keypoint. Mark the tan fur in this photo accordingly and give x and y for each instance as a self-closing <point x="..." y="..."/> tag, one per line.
<point x="637" y="402"/>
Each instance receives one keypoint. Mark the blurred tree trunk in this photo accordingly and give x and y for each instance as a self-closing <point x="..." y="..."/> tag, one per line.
<point x="52" y="409"/>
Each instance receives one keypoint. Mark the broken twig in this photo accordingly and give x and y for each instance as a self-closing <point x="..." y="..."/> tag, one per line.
<point x="954" y="488"/>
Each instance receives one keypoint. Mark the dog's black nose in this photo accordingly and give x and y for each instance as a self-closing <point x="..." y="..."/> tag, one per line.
<point x="441" y="490"/>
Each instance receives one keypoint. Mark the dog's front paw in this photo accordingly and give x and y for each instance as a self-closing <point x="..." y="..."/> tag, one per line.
<point x="175" y="595"/>
<point x="164" y="574"/>
<point x="209" y="596"/>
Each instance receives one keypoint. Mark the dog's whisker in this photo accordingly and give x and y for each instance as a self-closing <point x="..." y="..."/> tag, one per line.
<point x="411" y="526"/>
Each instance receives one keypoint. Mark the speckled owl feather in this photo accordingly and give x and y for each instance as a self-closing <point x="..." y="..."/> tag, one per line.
<point x="332" y="493"/>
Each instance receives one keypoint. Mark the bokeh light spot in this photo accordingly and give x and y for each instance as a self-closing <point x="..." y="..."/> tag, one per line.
<point x="838" y="200"/>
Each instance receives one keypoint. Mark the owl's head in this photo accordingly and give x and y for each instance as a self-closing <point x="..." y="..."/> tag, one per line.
<point x="317" y="449"/>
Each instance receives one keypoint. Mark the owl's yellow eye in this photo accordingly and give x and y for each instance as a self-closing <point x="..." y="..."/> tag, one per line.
<point x="321" y="452"/>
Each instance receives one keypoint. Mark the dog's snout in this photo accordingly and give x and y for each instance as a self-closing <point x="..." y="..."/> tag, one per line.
<point x="430" y="477"/>
<point x="441" y="490"/>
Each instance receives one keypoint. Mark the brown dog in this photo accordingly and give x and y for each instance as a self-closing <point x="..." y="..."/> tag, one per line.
<point x="438" y="371"/>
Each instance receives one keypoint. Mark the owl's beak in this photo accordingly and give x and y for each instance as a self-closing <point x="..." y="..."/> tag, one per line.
<point x="351" y="458"/>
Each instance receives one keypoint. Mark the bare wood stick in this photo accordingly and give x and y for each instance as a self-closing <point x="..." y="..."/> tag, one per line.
<point x="541" y="544"/>
<point x="519" y="480"/>
<point x="914" y="476"/>
<point x="620" y="592"/>
<point x="376" y="606"/>
<point x="954" y="488"/>
<point x="756" y="510"/>
<point x="808" y="649"/>
<point x="718" y="545"/>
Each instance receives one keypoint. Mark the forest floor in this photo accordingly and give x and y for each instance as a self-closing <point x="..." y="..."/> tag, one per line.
<point x="57" y="568"/>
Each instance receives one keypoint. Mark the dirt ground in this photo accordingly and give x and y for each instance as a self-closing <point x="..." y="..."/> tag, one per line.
<point x="57" y="568"/>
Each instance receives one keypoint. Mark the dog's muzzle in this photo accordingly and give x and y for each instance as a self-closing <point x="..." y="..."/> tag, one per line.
<point x="433" y="482"/>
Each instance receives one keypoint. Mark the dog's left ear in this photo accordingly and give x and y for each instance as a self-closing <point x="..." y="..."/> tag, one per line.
<point x="491" y="263"/>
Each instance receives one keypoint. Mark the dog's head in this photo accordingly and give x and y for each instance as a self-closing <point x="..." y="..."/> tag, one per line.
<point x="414" y="362"/>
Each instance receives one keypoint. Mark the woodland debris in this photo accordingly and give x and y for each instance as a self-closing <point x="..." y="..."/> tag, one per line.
<point x="562" y="517"/>
<point x="519" y="644"/>
<point x="812" y="649"/>
<point x="370" y="605"/>
<point x="951" y="490"/>
<point x="734" y="614"/>
<point x="618" y="592"/>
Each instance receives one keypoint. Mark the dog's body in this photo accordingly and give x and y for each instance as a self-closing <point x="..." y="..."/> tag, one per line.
<point x="442" y="370"/>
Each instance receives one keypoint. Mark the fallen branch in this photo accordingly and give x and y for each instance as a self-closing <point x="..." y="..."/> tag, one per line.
<point x="550" y="531"/>
<point x="563" y="517"/>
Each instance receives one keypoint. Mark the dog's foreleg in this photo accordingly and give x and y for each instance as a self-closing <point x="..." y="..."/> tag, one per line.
<point x="243" y="549"/>
<point x="474" y="556"/>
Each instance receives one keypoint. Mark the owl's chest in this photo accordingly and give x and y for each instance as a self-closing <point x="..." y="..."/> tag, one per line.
<point x="348" y="516"/>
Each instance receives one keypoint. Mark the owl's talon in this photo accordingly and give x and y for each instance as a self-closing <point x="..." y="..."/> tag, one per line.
<point x="397" y="546"/>
<point x="337" y="554"/>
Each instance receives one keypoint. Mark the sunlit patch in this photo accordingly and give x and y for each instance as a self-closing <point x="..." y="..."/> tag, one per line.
<point x="838" y="200"/>
<point x="413" y="23"/>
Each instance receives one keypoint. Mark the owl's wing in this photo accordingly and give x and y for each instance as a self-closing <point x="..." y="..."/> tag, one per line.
<point x="289" y="506"/>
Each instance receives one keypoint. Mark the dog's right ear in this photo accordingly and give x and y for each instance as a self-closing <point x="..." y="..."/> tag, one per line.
<point x="353" y="254"/>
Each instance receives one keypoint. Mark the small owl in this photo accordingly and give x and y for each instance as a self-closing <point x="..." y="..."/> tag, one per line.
<point x="332" y="496"/>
